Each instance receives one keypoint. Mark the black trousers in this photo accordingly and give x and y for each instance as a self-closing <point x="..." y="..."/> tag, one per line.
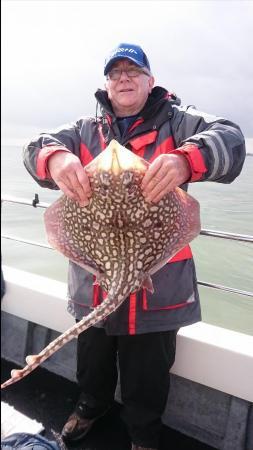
<point x="144" y="363"/>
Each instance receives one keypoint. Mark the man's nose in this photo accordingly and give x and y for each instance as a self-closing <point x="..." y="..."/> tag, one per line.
<point x="123" y="75"/>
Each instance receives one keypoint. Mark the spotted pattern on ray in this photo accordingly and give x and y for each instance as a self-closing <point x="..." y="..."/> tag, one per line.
<point x="119" y="237"/>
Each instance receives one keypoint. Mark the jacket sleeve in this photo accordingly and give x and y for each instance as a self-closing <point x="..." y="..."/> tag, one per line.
<point x="213" y="145"/>
<point x="37" y="152"/>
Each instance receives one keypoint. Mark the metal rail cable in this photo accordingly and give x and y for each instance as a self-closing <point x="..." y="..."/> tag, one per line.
<point x="210" y="233"/>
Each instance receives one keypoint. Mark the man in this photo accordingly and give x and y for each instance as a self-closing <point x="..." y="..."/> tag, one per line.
<point x="183" y="145"/>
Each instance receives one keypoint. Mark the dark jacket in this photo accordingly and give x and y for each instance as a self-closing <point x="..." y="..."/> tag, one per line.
<point x="215" y="150"/>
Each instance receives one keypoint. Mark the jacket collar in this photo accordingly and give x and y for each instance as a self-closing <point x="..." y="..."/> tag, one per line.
<point x="156" y="99"/>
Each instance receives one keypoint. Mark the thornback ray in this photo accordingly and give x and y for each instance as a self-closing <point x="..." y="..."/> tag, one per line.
<point x="119" y="237"/>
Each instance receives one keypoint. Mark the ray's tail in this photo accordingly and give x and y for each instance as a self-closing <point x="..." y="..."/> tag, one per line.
<point x="109" y="305"/>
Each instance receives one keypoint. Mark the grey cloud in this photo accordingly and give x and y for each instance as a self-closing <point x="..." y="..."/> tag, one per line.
<point x="53" y="66"/>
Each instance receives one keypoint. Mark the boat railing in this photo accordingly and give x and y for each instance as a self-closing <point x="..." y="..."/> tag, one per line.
<point x="204" y="232"/>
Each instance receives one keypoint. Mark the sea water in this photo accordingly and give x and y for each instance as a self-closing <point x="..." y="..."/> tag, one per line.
<point x="223" y="208"/>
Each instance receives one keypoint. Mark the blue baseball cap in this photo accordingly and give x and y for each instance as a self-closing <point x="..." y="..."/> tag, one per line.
<point x="131" y="52"/>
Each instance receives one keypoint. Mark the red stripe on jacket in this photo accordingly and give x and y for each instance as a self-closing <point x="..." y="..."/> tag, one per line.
<point x="135" y="124"/>
<point x="142" y="141"/>
<point x="145" y="304"/>
<point x="85" y="155"/>
<point x="42" y="159"/>
<point x="132" y="305"/>
<point x="132" y="313"/>
<point x="167" y="146"/>
<point x="96" y="291"/>
<point x="194" y="158"/>
<point x="101" y="137"/>
<point x="185" y="253"/>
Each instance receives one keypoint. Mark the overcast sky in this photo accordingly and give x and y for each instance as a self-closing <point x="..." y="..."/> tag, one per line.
<point x="53" y="55"/>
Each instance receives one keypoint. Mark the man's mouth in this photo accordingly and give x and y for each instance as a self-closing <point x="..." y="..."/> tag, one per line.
<point x="126" y="90"/>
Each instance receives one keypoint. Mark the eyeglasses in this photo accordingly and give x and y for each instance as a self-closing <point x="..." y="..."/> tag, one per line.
<point x="115" y="74"/>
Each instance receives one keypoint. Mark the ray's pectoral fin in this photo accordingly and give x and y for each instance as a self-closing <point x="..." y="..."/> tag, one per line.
<point x="184" y="227"/>
<point x="60" y="240"/>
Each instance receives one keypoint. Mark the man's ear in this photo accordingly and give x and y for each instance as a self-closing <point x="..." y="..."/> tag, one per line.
<point x="106" y="85"/>
<point x="151" y="82"/>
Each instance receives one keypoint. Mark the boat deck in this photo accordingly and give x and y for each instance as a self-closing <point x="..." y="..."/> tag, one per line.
<point x="49" y="399"/>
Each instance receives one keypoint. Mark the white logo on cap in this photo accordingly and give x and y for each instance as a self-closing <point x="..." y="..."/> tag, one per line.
<point x="120" y="50"/>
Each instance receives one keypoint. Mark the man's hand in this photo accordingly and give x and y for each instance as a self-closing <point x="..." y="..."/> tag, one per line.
<point x="70" y="176"/>
<point x="163" y="175"/>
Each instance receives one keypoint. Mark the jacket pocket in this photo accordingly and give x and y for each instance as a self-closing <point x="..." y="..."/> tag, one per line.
<point x="174" y="286"/>
<point x="80" y="286"/>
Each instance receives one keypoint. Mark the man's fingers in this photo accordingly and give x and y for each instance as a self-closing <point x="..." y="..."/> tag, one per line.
<point x="156" y="197"/>
<point x="161" y="177"/>
<point x="82" y="190"/>
<point x="151" y="172"/>
<point x="68" y="173"/>
<point x="162" y="186"/>
<point x="84" y="181"/>
<point x="67" y="191"/>
<point x="71" y="193"/>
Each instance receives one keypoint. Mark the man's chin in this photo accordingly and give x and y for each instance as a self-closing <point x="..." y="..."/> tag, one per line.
<point x="126" y="102"/>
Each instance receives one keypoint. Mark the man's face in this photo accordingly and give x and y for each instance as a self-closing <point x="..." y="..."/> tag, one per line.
<point x="128" y="94"/>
